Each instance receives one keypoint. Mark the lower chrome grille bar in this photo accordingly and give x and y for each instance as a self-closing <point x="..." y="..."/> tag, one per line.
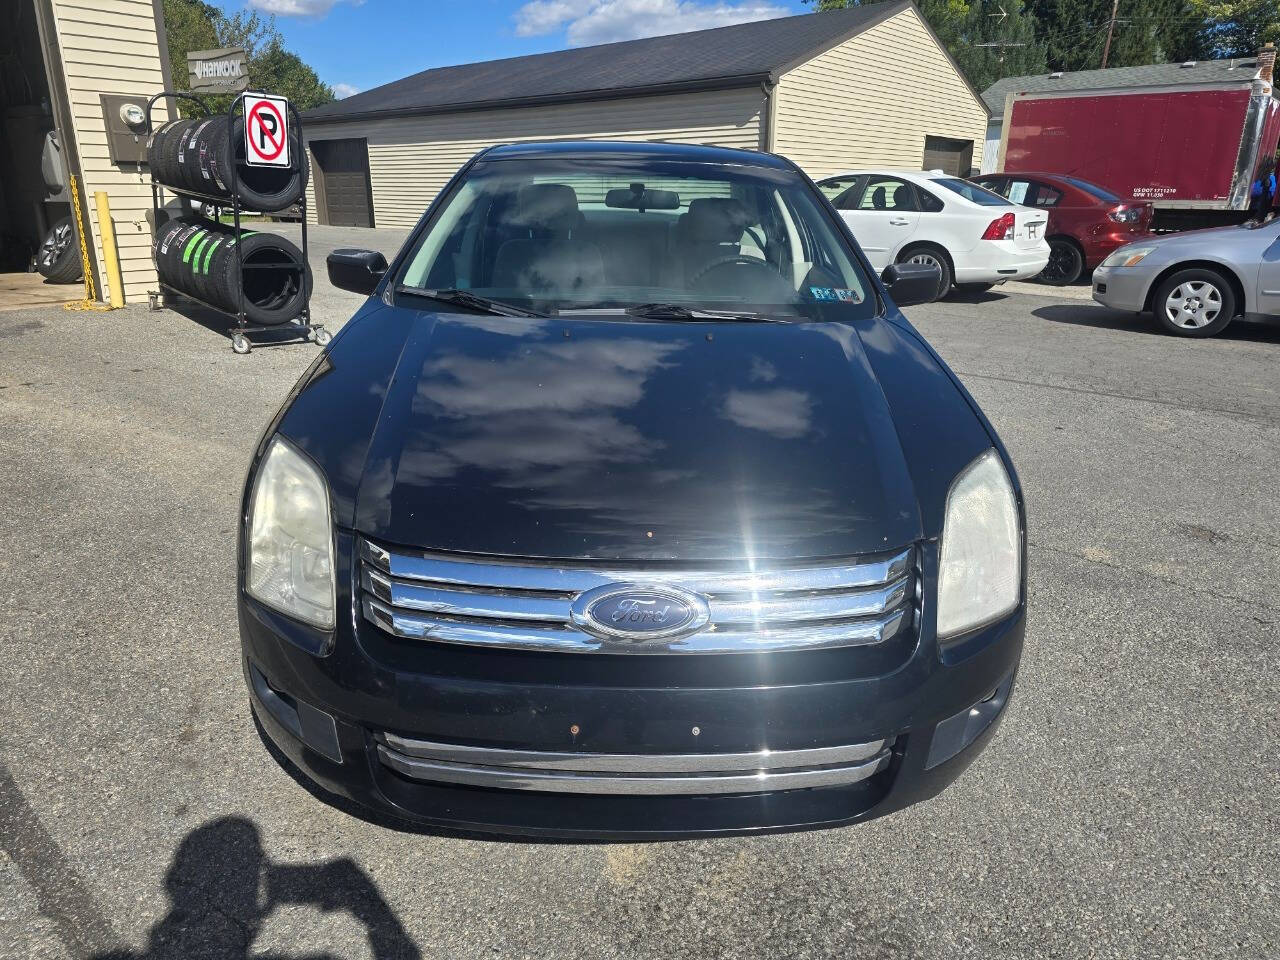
<point x="645" y="774"/>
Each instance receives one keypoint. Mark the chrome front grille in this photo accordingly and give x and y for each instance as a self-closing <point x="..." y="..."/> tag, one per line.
<point x="526" y="605"/>
<point x="647" y="774"/>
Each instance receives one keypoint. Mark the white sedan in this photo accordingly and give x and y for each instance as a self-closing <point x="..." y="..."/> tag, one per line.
<point x="974" y="237"/>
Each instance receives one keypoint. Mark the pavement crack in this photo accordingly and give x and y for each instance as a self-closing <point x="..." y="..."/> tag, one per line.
<point x="61" y="894"/>
<point x="1215" y="594"/>
<point x="1086" y="391"/>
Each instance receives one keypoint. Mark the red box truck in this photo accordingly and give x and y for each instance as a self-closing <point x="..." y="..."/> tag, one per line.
<point x="1192" y="151"/>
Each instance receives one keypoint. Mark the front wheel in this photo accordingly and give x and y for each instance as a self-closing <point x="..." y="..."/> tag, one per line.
<point x="1065" y="265"/>
<point x="1194" y="303"/>
<point x="930" y="257"/>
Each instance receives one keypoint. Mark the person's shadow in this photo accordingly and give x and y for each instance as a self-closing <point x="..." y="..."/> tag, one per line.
<point x="223" y="887"/>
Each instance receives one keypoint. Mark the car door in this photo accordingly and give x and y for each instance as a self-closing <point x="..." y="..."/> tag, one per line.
<point x="884" y="217"/>
<point x="1268" y="252"/>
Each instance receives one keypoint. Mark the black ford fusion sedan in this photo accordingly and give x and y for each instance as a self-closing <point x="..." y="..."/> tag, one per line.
<point x="630" y="505"/>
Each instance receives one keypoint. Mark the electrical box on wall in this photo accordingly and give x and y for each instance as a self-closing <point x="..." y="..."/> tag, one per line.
<point x="126" y="121"/>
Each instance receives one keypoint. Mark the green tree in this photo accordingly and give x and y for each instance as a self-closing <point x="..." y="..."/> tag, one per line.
<point x="190" y="25"/>
<point x="1146" y="31"/>
<point x="989" y="39"/>
<point x="195" y="25"/>
<point x="1239" y="28"/>
<point x="271" y="66"/>
<point x="994" y="40"/>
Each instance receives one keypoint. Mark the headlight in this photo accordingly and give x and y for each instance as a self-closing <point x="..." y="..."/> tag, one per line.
<point x="290" y="563"/>
<point x="1127" y="256"/>
<point x="980" y="571"/>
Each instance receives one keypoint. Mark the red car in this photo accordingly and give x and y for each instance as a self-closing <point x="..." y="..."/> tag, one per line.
<point x="1086" y="221"/>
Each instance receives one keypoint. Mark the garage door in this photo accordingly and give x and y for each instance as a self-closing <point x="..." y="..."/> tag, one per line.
<point x="342" y="182"/>
<point x="950" y="156"/>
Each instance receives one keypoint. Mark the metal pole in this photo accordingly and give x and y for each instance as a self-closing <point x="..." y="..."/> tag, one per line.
<point x="1111" y="27"/>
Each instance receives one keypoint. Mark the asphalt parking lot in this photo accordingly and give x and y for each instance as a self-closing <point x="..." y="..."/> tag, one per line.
<point x="1129" y="806"/>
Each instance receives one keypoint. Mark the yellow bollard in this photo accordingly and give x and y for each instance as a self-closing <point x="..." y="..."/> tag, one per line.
<point x="107" y="233"/>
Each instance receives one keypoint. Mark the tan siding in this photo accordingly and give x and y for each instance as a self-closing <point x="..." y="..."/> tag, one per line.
<point x="111" y="46"/>
<point x="411" y="159"/>
<point x="872" y="100"/>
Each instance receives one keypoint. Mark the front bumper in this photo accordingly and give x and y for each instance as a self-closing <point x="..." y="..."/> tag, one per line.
<point x="511" y="750"/>
<point x="1123" y="288"/>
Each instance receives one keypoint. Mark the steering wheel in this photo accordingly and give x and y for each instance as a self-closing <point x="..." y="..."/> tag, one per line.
<point x="738" y="259"/>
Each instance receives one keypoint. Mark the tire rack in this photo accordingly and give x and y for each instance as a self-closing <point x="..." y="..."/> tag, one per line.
<point x="301" y="327"/>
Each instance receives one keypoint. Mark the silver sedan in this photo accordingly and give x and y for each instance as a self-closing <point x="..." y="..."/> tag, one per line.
<point x="1198" y="282"/>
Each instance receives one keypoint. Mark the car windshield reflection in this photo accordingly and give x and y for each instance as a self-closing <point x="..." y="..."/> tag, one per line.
<point x="648" y="237"/>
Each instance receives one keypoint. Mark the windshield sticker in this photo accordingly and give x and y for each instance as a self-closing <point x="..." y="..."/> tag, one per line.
<point x="847" y="296"/>
<point x="822" y="293"/>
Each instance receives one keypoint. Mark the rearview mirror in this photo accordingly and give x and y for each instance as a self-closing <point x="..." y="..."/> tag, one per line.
<point x="638" y="198"/>
<point x="356" y="270"/>
<point x="912" y="283"/>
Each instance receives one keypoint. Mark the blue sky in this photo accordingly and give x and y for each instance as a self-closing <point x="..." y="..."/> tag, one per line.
<point x="359" y="44"/>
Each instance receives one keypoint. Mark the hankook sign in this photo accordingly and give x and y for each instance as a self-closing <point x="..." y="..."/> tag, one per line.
<point x="217" y="71"/>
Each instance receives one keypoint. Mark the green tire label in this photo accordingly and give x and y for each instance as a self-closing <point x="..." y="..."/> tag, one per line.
<point x="195" y="255"/>
<point x="191" y="245"/>
<point x="208" y="256"/>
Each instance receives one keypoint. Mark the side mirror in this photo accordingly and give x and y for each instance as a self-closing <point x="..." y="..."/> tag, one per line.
<point x="912" y="283"/>
<point x="356" y="270"/>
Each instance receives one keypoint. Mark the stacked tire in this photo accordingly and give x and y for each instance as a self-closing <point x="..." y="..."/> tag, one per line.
<point x="197" y="154"/>
<point x="197" y="257"/>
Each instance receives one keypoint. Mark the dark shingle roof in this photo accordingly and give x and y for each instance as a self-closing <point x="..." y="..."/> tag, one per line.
<point x="723" y="56"/>
<point x="1155" y="75"/>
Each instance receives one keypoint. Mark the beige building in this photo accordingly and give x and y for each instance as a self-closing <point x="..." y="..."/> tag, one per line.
<point x="73" y="65"/>
<point x="867" y="85"/>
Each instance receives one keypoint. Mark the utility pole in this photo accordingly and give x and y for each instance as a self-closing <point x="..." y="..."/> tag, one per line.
<point x="1111" y="26"/>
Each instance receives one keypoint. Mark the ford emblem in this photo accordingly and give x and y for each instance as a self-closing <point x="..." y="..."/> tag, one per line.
<point x="639" y="614"/>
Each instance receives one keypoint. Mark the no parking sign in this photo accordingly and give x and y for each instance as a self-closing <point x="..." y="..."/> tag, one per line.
<point x="266" y="131"/>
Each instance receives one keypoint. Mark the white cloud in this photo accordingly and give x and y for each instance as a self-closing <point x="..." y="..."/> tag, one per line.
<point x="603" y="21"/>
<point x="547" y="16"/>
<point x="297" y="8"/>
<point x="344" y="90"/>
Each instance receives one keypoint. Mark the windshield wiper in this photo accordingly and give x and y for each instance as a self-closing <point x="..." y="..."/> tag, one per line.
<point x="465" y="298"/>
<point x="679" y="311"/>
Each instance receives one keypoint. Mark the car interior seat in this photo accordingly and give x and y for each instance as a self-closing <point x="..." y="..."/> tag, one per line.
<point x="711" y="231"/>
<point x="550" y="258"/>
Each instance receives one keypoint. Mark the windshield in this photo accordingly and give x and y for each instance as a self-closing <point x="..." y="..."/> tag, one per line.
<point x="646" y="236"/>
<point x="1100" y="192"/>
<point x="974" y="193"/>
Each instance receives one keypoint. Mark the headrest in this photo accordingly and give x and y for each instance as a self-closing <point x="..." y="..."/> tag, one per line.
<point x="902" y="197"/>
<point x="877" y="198"/>
<point x="548" y="206"/>
<point x="717" y="219"/>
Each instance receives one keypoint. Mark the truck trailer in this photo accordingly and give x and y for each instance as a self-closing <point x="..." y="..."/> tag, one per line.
<point x="1193" y="151"/>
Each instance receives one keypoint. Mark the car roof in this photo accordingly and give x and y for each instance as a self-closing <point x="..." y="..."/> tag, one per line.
<point x="632" y="150"/>
<point x="903" y="172"/>
<point x="1029" y="174"/>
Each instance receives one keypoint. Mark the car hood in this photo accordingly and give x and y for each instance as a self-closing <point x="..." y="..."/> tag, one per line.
<point x="628" y="439"/>
<point x="1210" y="238"/>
